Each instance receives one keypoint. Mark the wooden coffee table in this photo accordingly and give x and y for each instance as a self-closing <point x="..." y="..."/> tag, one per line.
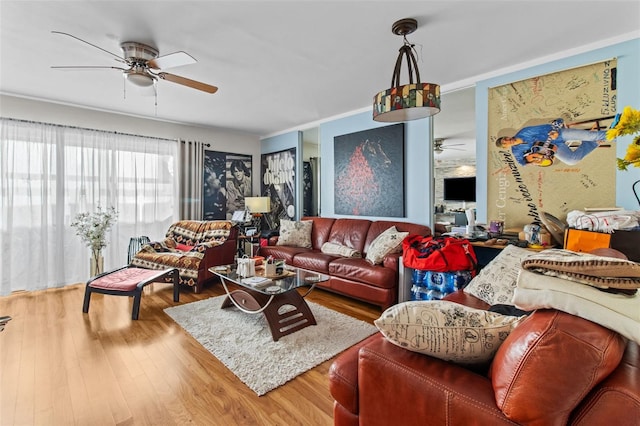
<point x="279" y="300"/>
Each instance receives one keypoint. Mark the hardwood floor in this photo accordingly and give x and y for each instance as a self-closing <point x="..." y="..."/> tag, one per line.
<point x="59" y="366"/>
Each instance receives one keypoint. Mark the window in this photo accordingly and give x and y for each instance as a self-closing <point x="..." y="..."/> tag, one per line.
<point x="49" y="173"/>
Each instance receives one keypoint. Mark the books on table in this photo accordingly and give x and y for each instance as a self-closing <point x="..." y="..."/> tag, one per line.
<point x="257" y="281"/>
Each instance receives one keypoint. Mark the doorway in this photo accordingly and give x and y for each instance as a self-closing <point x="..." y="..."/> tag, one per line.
<point x="311" y="172"/>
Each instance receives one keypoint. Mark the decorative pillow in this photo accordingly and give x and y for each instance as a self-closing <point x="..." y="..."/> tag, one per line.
<point x="446" y="330"/>
<point x="183" y="247"/>
<point x="389" y="241"/>
<point x="295" y="234"/>
<point x="495" y="283"/>
<point x="339" y="250"/>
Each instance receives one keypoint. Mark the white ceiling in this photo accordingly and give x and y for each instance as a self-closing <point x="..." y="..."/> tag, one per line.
<point x="282" y="65"/>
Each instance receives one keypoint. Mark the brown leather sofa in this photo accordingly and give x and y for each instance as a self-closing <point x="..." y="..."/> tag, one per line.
<point x="353" y="277"/>
<point x="553" y="369"/>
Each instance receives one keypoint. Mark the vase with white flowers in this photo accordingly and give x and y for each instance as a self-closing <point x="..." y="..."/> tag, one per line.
<point x="628" y="123"/>
<point x="92" y="229"/>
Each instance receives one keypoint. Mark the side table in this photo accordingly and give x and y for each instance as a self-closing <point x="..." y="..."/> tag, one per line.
<point x="248" y="245"/>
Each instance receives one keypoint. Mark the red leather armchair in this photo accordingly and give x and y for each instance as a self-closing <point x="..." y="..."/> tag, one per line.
<point x="553" y="369"/>
<point x="191" y="246"/>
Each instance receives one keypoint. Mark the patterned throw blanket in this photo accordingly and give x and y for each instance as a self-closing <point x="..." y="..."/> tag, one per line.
<point x="597" y="271"/>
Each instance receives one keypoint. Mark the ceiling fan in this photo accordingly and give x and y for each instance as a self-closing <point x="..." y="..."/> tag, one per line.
<point x="140" y="63"/>
<point x="439" y="147"/>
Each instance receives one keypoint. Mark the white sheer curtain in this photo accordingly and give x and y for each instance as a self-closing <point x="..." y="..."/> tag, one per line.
<point x="191" y="179"/>
<point x="49" y="173"/>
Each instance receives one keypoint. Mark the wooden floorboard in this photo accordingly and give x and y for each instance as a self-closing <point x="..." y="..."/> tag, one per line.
<point x="59" y="366"/>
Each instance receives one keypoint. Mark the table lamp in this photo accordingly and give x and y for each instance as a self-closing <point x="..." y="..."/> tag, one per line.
<point x="257" y="206"/>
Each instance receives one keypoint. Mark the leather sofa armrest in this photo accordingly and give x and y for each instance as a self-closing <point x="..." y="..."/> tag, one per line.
<point x="380" y="383"/>
<point x="615" y="400"/>
<point x="467" y="299"/>
<point x="343" y="375"/>
<point x="417" y="386"/>
<point x="392" y="261"/>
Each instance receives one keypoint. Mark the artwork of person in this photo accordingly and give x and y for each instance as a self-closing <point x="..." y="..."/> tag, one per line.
<point x="214" y="198"/>
<point x="541" y="144"/>
<point x="238" y="187"/>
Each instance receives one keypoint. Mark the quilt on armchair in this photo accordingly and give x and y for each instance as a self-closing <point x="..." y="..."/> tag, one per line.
<point x="193" y="247"/>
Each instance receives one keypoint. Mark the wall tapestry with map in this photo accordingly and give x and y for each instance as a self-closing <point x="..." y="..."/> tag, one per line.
<point x="547" y="150"/>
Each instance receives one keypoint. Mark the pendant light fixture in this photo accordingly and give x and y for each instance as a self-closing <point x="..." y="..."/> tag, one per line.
<point x="409" y="101"/>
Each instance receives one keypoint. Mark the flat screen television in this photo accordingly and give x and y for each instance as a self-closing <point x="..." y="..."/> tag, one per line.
<point x="460" y="189"/>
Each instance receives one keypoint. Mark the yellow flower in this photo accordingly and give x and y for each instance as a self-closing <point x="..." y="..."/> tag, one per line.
<point x="628" y="123"/>
<point x="632" y="156"/>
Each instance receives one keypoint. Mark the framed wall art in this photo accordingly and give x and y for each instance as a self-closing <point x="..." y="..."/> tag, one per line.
<point x="547" y="148"/>
<point x="279" y="184"/>
<point x="369" y="172"/>
<point x="227" y="180"/>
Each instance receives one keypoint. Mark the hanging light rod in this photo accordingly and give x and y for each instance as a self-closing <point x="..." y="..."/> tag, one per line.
<point x="410" y="101"/>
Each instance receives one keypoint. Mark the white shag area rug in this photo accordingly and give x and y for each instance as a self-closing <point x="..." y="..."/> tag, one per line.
<point x="244" y="344"/>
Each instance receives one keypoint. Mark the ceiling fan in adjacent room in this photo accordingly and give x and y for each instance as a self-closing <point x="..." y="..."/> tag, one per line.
<point x="439" y="146"/>
<point x="142" y="66"/>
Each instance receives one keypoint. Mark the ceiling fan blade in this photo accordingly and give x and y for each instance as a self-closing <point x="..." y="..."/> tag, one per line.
<point x="188" y="82"/>
<point x="116" y="57"/>
<point x="86" y="67"/>
<point x="171" y="60"/>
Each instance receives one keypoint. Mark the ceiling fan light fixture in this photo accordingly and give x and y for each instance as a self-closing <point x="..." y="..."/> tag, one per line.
<point x="409" y="101"/>
<point x="140" y="79"/>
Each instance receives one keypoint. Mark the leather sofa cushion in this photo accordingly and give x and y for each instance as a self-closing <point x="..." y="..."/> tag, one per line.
<point x="314" y="261"/>
<point x="320" y="230"/>
<point x="282" y="252"/>
<point x="350" y="232"/>
<point x="531" y="390"/>
<point x="362" y="271"/>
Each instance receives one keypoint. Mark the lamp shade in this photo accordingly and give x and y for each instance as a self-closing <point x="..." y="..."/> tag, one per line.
<point x="258" y="204"/>
<point x="407" y="102"/>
